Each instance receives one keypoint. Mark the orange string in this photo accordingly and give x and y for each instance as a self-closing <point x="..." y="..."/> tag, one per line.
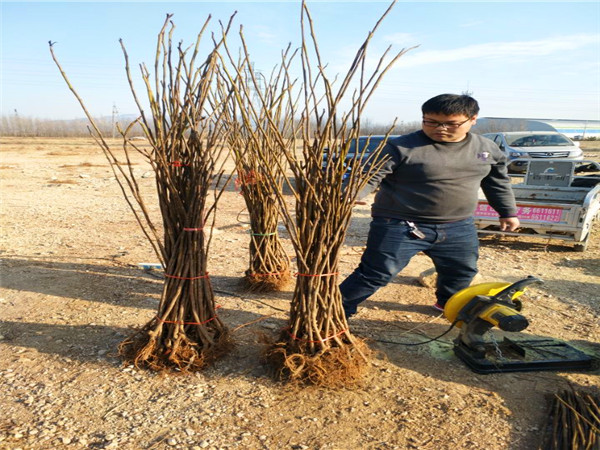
<point x="247" y="178"/>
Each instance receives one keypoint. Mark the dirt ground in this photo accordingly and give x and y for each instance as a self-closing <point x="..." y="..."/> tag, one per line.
<point x="72" y="290"/>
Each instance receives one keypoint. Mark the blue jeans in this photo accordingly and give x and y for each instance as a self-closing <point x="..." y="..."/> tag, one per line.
<point x="453" y="247"/>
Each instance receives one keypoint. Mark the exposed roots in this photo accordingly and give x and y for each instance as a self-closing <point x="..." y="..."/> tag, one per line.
<point x="332" y="367"/>
<point x="256" y="282"/>
<point x="144" y="350"/>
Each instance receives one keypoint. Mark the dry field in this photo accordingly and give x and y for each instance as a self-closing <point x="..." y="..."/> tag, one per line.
<point x="72" y="290"/>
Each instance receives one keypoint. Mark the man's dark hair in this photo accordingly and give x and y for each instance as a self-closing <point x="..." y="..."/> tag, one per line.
<point x="450" y="104"/>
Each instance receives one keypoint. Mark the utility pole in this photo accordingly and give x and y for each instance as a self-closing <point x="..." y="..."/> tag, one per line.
<point x="17" y="124"/>
<point x="115" y="115"/>
<point x="468" y="91"/>
<point x="258" y="76"/>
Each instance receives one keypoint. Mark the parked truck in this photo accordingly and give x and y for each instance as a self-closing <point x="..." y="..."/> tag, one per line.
<point x="558" y="199"/>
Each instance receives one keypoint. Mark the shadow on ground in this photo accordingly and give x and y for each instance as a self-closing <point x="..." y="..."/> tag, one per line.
<point x="437" y="360"/>
<point x="115" y="285"/>
<point x="526" y="243"/>
<point x="94" y="343"/>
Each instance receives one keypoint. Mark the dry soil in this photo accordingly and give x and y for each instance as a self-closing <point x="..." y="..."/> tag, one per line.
<point x="72" y="290"/>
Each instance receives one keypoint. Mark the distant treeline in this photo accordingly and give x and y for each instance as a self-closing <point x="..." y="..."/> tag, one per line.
<point x="33" y="127"/>
<point x="368" y="127"/>
<point x="15" y="125"/>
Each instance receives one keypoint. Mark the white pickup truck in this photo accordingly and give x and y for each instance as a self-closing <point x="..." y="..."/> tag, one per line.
<point x="556" y="199"/>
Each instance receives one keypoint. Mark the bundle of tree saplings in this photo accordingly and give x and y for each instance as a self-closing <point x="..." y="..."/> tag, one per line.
<point x="187" y="155"/>
<point x="573" y="422"/>
<point x="317" y="346"/>
<point x="248" y="135"/>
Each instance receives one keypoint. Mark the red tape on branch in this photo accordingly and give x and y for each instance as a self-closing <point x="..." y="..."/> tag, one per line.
<point x="186" y="278"/>
<point x="193" y="229"/>
<point x="315" y="275"/>
<point x="293" y="336"/>
<point x="177" y="322"/>
<point x="179" y="164"/>
<point x="247" y="178"/>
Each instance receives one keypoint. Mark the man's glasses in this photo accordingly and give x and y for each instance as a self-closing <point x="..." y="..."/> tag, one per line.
<point x="448" y="125"/>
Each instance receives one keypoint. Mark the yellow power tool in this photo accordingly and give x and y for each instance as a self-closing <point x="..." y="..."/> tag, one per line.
<point x="478" y="308"/>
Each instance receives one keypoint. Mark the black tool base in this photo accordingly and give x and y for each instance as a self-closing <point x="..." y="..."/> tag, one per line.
<point x="524" y="355"/>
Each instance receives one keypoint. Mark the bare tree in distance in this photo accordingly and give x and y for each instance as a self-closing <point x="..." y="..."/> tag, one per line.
<point x="484" y="125"/>
<point x="369" y="127"/>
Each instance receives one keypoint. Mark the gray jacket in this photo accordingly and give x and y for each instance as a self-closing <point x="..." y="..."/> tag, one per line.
<point x="437" y="182"/>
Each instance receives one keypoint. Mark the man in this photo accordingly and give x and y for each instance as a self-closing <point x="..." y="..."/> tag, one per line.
<point x="428" y="193"/>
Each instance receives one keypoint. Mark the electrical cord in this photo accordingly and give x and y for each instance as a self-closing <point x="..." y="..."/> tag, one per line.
<point x="410" y="344"/>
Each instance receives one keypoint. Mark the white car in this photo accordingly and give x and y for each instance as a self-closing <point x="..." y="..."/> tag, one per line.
<point x="524" y="145"/>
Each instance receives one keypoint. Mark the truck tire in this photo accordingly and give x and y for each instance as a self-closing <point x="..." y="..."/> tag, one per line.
<point x="582" y="246"/>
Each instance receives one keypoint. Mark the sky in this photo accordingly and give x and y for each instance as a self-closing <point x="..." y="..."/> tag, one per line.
<point x="518" y="59"/>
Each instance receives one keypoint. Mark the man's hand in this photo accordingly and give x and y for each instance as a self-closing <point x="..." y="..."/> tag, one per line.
<point x="509" y="223"/>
